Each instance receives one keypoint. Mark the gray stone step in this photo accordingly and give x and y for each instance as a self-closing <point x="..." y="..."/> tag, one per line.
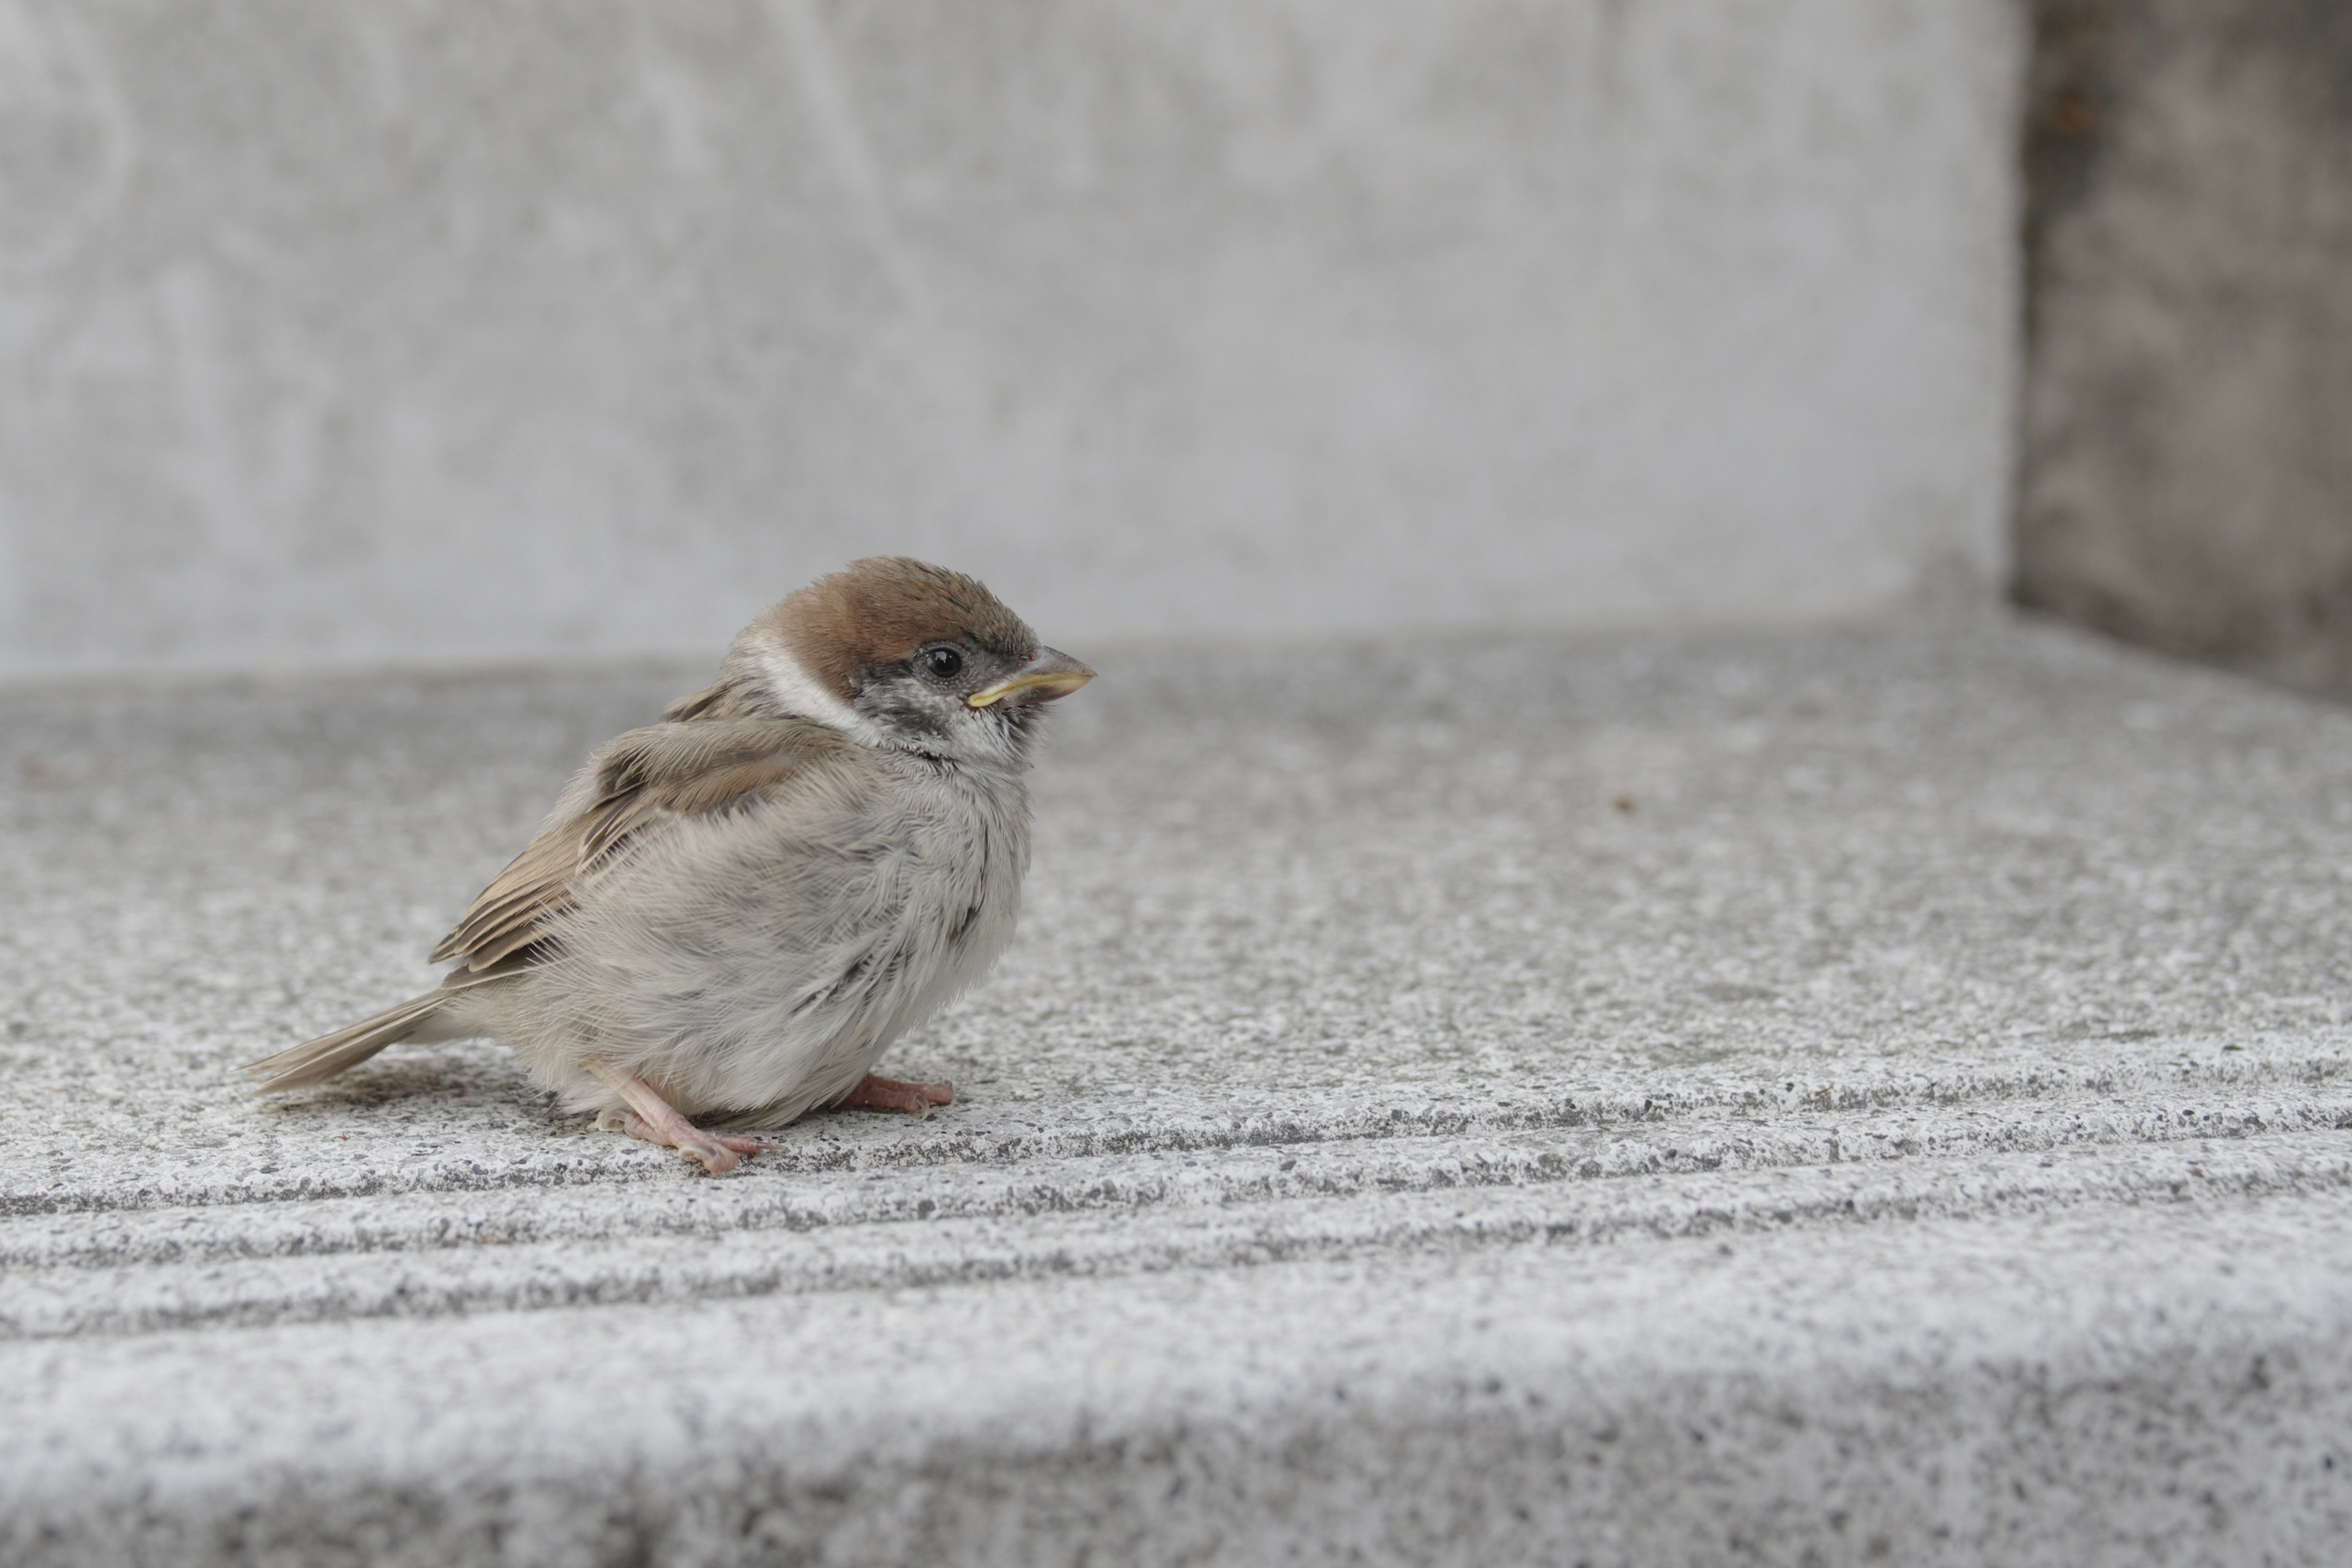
<point x="1837" y="1095"/>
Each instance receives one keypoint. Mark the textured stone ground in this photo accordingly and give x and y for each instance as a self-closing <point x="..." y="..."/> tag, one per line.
<point x="1832" y="1097"/>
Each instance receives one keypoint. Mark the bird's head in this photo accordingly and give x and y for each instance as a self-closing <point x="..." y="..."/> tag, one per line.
<point x="896" y="652"/>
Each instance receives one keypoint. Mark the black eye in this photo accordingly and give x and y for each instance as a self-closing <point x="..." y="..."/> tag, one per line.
<point x="941" y="663"/>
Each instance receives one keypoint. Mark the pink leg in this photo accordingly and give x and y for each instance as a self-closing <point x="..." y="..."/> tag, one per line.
<point x="878" y="1093"/>
<point x="653" y="1119"/>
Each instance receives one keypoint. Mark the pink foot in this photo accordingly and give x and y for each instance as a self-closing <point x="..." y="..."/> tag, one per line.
<point x="703" y="1145"/>
<point x="653" y="1119"/>
<point x="877" y="1093"/>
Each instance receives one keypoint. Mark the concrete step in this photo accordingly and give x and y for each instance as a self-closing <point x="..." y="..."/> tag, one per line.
<point x="1836" y="1096"/>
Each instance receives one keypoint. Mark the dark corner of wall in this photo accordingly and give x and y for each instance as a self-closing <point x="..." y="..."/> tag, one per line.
<point x="2186" y="456"/>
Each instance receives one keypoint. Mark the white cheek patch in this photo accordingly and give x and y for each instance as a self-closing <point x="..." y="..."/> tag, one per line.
<point x="797" y="691"/>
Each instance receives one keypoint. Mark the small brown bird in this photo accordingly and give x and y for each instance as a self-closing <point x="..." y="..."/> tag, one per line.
<point x="731" y="914"/>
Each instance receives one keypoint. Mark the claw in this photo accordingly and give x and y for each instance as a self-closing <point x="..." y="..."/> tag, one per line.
<point x="877" y="1093"/>
<point x="656" y="1120"/>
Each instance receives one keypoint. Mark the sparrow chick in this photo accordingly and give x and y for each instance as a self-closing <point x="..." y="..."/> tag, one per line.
<point x="731" y="914"/>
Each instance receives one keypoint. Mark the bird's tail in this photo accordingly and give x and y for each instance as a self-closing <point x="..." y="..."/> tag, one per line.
<point x="315" y="1061"/>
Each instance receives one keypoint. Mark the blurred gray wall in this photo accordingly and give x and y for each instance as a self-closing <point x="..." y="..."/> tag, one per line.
<point x="2187" y="473"/>
<point x="420" y="333"/>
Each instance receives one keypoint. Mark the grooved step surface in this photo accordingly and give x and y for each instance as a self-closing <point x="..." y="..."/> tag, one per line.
<point x="1809" y="1096"/>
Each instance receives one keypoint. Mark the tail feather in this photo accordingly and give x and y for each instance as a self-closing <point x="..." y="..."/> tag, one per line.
<point x="315" y="1061"/>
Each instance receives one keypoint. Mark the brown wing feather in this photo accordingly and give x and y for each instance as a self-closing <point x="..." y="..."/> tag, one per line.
<point x="644" y="777"/>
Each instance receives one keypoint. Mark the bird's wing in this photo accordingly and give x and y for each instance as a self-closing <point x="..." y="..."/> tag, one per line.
<point x="644" y="778"/>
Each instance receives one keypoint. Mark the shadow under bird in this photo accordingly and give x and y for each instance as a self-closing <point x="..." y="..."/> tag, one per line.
<point x="731" y="914"/>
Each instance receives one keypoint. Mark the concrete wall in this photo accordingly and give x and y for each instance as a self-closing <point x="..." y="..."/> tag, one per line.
<point x="2187" y="463"/>
<point x="443" y="333"/>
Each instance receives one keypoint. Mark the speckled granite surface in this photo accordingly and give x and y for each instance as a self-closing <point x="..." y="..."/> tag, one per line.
<point x="1825" y="1096"/>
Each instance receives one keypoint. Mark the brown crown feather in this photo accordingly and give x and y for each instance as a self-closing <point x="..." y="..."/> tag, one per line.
<point x="879" y="611"/>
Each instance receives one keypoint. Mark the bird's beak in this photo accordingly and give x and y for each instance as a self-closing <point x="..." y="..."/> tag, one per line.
<point x="1043" y="679"/>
